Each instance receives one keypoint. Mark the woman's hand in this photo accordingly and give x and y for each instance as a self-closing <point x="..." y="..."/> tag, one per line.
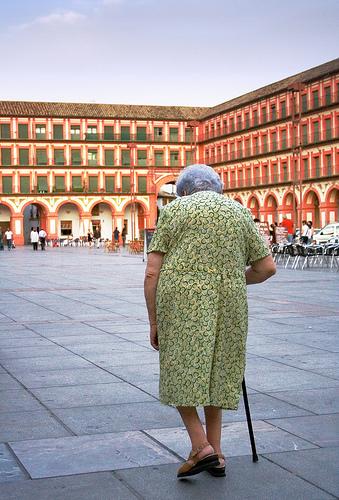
<point x="154" y="337"/>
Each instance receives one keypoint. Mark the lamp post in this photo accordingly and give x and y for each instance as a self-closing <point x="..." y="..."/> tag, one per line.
<point x="295" y="89"/>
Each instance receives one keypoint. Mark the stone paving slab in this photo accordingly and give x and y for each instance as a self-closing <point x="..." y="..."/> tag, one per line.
<point x="13" y="343"/>
<point x="18" y="400"/>
<point x="45" y="363"/>
<point x="117" y="418"/>
<point x="30" y="352"/>
<point x="17" y="426"/>
<point x="315" y="400"/>
<point x="245" y="480"/>
<point x="235" y="438"/>
<point x="90" y="395"/>
<point x="95" y="453"/>
<point x="327" y="340"/>
<point x="7" y="382"/>
<point x="9" y="468"/>
<point x="321" y="430"/>
<point x="320" y="467"/>
<point x="96" y="486"/>
<point x="268" y="376"/>
<point x="67" y="377"/>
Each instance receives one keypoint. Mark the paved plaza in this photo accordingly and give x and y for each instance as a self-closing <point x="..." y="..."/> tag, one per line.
<point x="79" y="410"/>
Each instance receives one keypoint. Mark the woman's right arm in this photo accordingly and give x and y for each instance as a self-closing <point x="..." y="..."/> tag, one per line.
<point x="260" y="270"/>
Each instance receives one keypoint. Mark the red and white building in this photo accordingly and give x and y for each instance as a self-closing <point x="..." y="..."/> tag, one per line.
<point x="73" y="167"/>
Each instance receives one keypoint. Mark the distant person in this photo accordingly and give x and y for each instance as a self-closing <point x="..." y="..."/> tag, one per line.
<point x="1" y="241"/>
<point x="304" y="233"/>
<point x="42" y="238"/>
<point x="9" y="239"/>
<point x="89" y="238"/>
<point x="124" y="235"/>
<point x="310" y="231"/>
<point x="34" y="238"/>
<point x="116" y="234"/>
<point x="272" y="234"/>
<point x="289" y="226"/>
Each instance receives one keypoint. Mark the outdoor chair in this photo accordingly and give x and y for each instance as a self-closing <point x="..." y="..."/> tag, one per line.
<point x="331" y="256"/>
<point x="291" y="253"/>
<point x="302" y="257"/>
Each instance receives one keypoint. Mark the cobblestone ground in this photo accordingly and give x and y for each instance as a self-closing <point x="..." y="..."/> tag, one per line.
<point x="79" y="414"/>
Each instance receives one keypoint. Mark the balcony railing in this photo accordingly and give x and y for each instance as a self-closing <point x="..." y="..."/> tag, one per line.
<point x="247" y="124"/>
<point x="272" y="147"/>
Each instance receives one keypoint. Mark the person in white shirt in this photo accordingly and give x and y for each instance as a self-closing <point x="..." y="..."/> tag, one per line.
<point x="9" y="238"/>
<point x="305" y="233"/>
<point x="42" y="238"/>
<point x="34" y="238"/>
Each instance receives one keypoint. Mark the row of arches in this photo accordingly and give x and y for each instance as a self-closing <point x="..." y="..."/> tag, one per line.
<point x="70" y="220"/>
<point x="313" y="210"/>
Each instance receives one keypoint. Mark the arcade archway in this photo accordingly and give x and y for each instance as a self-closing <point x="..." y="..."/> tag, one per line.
<point x="69" y="221"/>
<point x="134" y="220"/>
<point x="5" y="218"/>
<point x="102" y="220"/>
<point x="253" y="205"/>
<point x="311" y="210"/>
<point x="34" y="218"/>
<point x="271" y="209"/>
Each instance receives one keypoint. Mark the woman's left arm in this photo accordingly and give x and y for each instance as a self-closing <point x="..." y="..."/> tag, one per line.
<point x="152" y="274"/>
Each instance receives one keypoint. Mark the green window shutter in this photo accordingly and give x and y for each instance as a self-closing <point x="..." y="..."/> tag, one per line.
<point x="173" y="134"/>
<point x="188" y="134"/>
<point x="125" y="157"/>
<point x="5" y="131"/>
<point x="126" y="184"/>
<point x="77" y="183"/>
<point x="239" y="123"/>
<point x="188" y="158"/>
<point x="264" y="143"/>
<point x="24" y="184"/>
<point x="306" y="173"/>
<point x="6" y="158"/>
<point x="60" y="183"/>
<point x="125" y="134"/>
<point x="93" y="184"/>
<point x="141" y="134"/>
<point x="304" y="103"/>
<point x="41" y="157"/>
<point x="174" y="158"/>
<point x="247" y="120"/>
<point x="109" y="157"/>
<point x="315" y="96"/>
<point x="40" y="131"/>
<point x="109" y="183"/>
<point x="273" y="112"/>
<point x="75" y="133"/>
<point x="23" y="130"/>
<point x="159" y="158"/>
<point x="158" y="135"/>
<point x="328" y="99"/>
<point x="316" y="131"/>
<point x="142" y="158"/>
<point x="283" y="109"/>
<point x="42" y="184"/>
<point x="108" y="133"/>
<point x="142" y="184"/>
<point x="92" y="157"/>
<point x="7" y="187"/>
<point x="328" y="130"/>
<point x="283" y="139"/>
<point x="263" y="116"/>
<point x="328" y="159"/>
<point x="76" y="157"/>
<point x="59" y="157"/>
<point x="58" y="132"/>
<point x="317" y="166"/>
<point x="23" y="157"/>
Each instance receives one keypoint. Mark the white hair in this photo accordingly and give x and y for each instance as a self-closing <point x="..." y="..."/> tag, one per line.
<point x="198" y="178"/>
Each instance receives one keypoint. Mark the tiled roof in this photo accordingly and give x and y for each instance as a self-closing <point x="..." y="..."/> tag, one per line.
<point x="89" y="110"/>
<point x="127" y="111"/>
<point x="305" y="76"/>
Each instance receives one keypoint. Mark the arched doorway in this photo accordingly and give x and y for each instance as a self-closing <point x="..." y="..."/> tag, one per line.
<point x="253" y="205"/>
<point x="290" y="207"/>
<point x="69" y="221"/>
<point x="311" y="210"/>
<point x="271" y="208"/>
<point x="134" y="221"/>
<point x="102" y="220"/>
<point x="5" y="218"/>
<point x="34" y="217"/>
<point x="332" y="206"/>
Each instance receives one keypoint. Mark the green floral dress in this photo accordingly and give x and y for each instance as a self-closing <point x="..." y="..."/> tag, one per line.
<point x="207" y="240"/>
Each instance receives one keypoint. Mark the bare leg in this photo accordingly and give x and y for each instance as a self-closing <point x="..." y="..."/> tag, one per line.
<point x="213" y="416"/>
<point x="195" y="429"/>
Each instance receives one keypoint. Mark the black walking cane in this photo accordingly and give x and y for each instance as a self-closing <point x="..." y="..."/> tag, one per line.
<point x="249" y="422"/>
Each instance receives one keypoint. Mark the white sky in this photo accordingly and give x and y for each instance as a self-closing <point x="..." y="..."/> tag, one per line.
<point x="169" y="52"/>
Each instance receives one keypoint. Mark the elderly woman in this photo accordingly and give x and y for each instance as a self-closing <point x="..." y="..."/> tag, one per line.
<point x="195" y="290"/>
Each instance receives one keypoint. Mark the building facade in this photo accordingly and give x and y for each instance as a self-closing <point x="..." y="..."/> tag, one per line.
<point x="71" y="168"/>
